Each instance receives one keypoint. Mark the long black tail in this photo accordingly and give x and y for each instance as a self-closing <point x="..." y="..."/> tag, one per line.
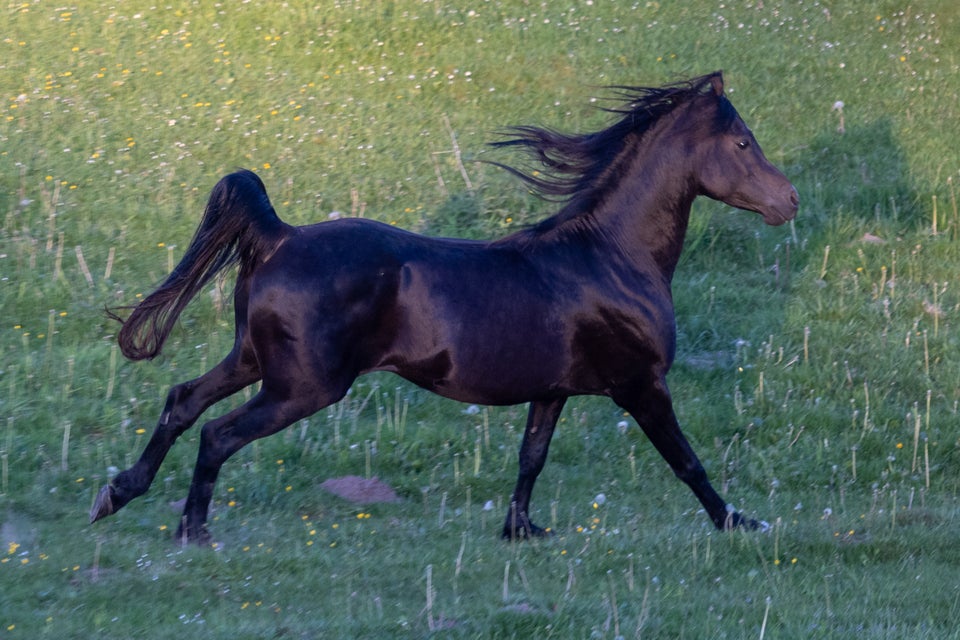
<point x="239" y="227"/>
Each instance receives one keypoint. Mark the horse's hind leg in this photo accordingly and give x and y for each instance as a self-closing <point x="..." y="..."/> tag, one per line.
<point x="541" y="421"/>
<point x="652" y="409"/>
<point x="185" y="403"/>
<point x="265" y="414"/>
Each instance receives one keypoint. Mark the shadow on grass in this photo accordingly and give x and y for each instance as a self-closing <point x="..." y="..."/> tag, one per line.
<point x="856" y="178"/>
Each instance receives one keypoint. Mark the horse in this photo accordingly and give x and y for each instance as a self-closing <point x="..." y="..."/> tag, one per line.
<point x="577" y="304"/>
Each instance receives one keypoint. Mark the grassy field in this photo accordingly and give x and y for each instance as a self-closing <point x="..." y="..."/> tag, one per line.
<point x="818" y="373"/>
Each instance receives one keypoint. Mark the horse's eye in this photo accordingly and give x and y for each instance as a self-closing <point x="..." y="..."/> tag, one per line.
<point x="743" y="144"/>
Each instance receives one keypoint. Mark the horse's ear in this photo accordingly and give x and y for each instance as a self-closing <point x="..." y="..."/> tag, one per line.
<point x="717" y="81"/>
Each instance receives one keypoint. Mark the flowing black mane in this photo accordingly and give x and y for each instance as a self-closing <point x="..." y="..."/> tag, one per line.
<point x="575" y="164"/>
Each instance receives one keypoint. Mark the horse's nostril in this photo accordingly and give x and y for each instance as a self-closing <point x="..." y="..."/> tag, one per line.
<point x="794" y="198"/>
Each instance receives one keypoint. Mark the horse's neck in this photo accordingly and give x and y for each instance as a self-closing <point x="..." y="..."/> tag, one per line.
<point x="647" y="218"/>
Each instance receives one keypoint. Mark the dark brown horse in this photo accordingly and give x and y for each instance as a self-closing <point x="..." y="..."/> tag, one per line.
<point x="578" y="304"/>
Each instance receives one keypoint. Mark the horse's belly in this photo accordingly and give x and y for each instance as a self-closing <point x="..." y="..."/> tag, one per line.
<point x="488" y="375"/>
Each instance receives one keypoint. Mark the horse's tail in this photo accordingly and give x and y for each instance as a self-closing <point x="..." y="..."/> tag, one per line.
<point x="239" y="227"/>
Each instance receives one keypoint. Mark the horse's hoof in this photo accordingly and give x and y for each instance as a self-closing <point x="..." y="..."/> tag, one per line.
<point x="191" y="536"/>
<point x="103" y="505"/>
<point x="736" y="520"/>
<point x="755" y="525"/>
<point x="525" y="532"/>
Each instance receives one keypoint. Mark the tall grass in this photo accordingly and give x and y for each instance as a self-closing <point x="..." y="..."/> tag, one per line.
<point x="817" y="363"/>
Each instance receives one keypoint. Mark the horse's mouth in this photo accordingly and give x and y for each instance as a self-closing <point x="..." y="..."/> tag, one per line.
<point x="777" y="218"/>
<point x="777" y="215"/>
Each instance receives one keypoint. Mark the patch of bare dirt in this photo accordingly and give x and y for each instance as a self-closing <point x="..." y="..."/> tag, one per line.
<point x="360" y="490"/>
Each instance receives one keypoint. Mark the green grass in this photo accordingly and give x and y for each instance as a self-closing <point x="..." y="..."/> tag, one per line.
<point x="818" y="364"/>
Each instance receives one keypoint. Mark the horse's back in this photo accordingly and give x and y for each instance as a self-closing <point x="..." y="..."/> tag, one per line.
<point x="470" y="320"/>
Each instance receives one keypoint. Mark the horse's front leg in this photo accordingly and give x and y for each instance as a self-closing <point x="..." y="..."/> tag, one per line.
<point x="541" y="421"/>
<point x="652" y="408"/>
<point x="185" y="402"/>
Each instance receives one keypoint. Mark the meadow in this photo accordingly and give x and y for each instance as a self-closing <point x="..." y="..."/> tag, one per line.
<point x="818" y="368"/>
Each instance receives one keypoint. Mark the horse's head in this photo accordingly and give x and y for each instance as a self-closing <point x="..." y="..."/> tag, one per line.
<point x="732" y="167"/>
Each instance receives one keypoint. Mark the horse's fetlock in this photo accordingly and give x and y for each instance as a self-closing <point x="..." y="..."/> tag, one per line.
<point x="126" y="487"/>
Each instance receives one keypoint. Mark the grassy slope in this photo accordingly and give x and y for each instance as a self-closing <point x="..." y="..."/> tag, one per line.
<point x="817" y="373"/>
